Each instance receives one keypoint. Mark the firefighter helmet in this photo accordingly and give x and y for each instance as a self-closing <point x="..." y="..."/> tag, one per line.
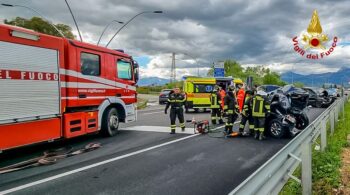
<point x="216" y="88"/>
<point x="231" y="88"/>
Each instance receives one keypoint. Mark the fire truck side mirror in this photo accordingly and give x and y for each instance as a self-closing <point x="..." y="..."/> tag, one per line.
<point x="136" y="71"/>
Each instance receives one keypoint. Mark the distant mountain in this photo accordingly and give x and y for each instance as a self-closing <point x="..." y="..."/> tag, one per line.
<point x="148" y="81"/>
<point x="339" y="77"/>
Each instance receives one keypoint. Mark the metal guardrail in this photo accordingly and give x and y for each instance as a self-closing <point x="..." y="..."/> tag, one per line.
<point x="274" y="174"/>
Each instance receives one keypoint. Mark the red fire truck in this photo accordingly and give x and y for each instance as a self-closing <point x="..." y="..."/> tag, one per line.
<point x="54" y="88"/>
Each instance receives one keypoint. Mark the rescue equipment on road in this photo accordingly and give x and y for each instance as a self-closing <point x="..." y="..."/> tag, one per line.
<point x="49" y="157"/>
<point x="201" y="127"/>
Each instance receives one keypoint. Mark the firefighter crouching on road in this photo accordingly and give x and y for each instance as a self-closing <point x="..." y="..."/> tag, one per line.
<point x="215" y="99"/>
<point x="247" y="114"/>
<point x="230" y="109"/>
<point x="176" y="102"/>
<point x="260" y="110"/>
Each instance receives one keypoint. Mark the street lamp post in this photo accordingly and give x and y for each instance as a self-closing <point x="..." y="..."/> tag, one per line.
<point x="145" y="12"/>
<point x="15" y="5"/>
<point x="75" y="22"/>
<point x="104" y="30"/>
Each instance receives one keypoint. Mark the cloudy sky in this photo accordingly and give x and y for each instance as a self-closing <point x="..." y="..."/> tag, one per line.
<point x="253" y="32"/>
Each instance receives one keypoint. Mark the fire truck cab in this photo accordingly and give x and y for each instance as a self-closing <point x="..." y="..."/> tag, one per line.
<point x="53" y="88"/>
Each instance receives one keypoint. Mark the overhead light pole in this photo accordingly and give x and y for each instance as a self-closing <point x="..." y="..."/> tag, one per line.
<point x="104" y="30"/>
<point x="75" y="22"/>
<point x="145" y="12"/>
<point x="48" y="21"/>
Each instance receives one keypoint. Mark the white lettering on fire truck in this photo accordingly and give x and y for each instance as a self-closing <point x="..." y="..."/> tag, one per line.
<point x="24" y="75"/>
<point x="5" y="74"/>
<point x="91" y="90"/>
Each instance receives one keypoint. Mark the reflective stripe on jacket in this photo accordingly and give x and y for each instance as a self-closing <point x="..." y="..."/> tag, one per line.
<point x="260" y="106"/>
<point x="230" y="103"/>
<point x="176" y="100"/>
<point x="247" y="108"/>
<point x="215" y="100"/>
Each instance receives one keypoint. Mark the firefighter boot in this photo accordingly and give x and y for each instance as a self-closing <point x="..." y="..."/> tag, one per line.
<point x="229" y="130"/>
<point x="182" y="128"/>
<point x="226" y="130"/>
<point x="256" y="135"/>
<point x="240" y="131"/>
<point x="261" y="137"/>
<point x="172" y="131"/>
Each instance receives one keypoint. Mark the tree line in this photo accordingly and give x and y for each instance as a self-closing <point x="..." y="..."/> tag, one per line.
<point x="39" y="25"/>
<point x="260" y="74"/>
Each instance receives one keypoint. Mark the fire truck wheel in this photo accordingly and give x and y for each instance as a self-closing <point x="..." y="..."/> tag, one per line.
<point x="110" y="122"/>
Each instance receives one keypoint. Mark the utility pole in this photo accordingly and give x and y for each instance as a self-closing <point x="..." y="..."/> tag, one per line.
<point x="173" y="69"/>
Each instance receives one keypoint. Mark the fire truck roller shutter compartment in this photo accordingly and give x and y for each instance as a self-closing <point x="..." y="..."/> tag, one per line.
<point x="29" y="83"/>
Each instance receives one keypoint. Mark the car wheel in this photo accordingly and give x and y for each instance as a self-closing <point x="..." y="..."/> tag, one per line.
<point x="196" y="110"/>
<point x="110" y="122"/>
<point x="302" y="121"/>
<point x="318" y="104"/>
<point x="276" y="129"/>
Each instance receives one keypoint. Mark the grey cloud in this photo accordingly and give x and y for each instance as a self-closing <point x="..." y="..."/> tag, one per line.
<point x="252" y="32"/>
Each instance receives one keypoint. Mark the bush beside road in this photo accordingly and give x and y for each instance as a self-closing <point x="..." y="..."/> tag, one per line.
<point x="141" y="103"/>
<point x="152" y="99"/>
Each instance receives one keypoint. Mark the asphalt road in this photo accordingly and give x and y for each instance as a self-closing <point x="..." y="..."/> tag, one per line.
<point x="145" y="159"/>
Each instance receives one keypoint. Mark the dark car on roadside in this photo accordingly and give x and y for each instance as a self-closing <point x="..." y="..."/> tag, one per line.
<point x="287" y="89"/>
<point x="318" y="97"/>
<point x="164" y="95"/>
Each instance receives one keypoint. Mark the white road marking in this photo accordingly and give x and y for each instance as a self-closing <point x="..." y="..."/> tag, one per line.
<point x="161" y="129"/>
<point x="146" y="110"/>
<point x="152" y="112"/>
<point x="92" y="166"/>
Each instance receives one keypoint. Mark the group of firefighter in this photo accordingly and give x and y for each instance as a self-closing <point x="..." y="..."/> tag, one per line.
<point x="229" y="104"/>
<point x="252" y="106"/>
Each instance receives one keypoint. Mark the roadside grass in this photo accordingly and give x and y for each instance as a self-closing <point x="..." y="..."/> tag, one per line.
<point x="141" y="103"/>
<point x="325" y="165"/>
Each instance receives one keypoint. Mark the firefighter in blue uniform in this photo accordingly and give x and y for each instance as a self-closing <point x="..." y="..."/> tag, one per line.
<point x="260" y="110"/>
<point x="247" y="114"/>
<point x="231" y="110"/>
<point x="176" y="102"/>
<point x="215" y="99"/>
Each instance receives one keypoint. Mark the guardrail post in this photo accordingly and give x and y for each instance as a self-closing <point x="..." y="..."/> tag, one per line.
<point x="323" y="136"/>
<point x="306" y="167"/>
<point x="331" y="117"/>
<point x="336" y="115"/>
<point x="343" y="107"/>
